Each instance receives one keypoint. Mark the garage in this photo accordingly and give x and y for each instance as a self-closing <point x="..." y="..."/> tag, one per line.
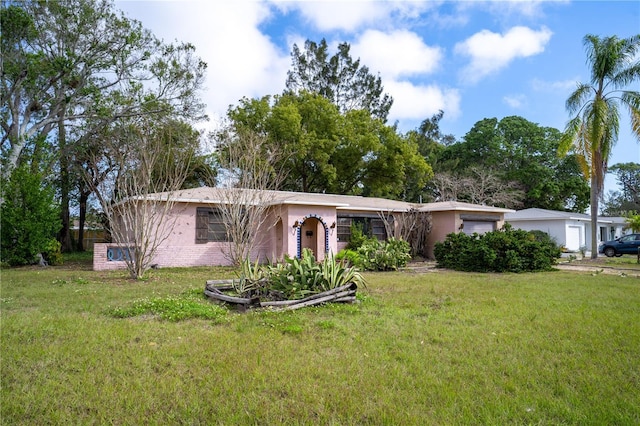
<point x="573" y="238"/>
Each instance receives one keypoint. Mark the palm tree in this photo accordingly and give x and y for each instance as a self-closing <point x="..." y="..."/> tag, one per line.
<point x="593" y="131"/>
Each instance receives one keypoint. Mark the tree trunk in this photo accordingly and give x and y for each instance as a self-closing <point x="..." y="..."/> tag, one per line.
<point x="594" y="217"/>
<point x="64" y="236"/>
<point x="84" y="195"/>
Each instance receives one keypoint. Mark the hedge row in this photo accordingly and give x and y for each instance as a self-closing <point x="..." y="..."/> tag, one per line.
<point x="505" y="250"/>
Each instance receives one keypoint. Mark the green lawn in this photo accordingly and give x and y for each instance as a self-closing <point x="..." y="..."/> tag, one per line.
<point x="436" y="348"/>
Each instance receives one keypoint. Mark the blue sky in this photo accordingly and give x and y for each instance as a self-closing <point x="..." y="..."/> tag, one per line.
<point x="472" y="59"/>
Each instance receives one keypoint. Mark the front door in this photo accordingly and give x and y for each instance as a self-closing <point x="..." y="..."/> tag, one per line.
<point x="309" y="236"/>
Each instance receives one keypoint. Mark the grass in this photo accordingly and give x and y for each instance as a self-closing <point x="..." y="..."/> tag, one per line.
<point x="420" y="348"/>
<point x="625" y="262"/>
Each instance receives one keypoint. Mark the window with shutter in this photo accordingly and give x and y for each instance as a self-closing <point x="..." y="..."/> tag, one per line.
<point x="210" y="226"/>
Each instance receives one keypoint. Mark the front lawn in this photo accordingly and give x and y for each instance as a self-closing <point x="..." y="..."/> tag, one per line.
<point x="421" y="348"/>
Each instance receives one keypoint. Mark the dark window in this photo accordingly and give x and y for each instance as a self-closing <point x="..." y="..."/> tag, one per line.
<point x="210" y="226"/>
<point x="371" y="227"/>
<point x="344" y="229"/>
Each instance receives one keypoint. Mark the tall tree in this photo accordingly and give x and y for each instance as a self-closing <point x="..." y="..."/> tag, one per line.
<point x="79" y="65"/>
<point x="522" y="155"/>
<point x="627" y="200"/>
<point x="79" y="59"/>
<point x="326" y="151"/>
<point x="593" y="131"/>
<point x="339" y="78"/>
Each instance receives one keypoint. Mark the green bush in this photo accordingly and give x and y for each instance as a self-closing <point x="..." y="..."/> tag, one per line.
<point x="388" y="255"/>
<point x="30" y="218"/>
<point x="505" y="250"/>
<point x="351" y="257"/>
<point x="52" y="252"/>
<point x="357" y="237"/>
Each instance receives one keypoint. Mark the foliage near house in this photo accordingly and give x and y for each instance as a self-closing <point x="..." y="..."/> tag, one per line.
<point x="633" y="222"/>
<point x="593" y="130"/>
<point x="372" y="254"/>
<point x="294" y="278"/>
<point x="505" y="250"/>
<point x="29" y="220"/>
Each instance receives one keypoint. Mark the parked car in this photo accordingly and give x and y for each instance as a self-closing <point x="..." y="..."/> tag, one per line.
<point x="627" y="244"/>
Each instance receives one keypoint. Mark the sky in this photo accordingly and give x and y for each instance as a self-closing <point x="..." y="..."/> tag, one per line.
<point x="470" y="59"/>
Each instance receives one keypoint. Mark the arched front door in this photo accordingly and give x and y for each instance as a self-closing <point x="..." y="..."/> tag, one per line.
<point x="313" y="234"/>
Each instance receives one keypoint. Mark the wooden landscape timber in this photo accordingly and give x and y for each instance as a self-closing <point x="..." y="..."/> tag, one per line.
<point x="344" y="294"/>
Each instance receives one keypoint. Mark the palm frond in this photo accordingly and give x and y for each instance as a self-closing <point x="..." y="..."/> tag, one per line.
<point x="579" y="97"/>
<point x="631" y="100"/>
<point x="574" y="139"/>
<point x="627" y="76"/>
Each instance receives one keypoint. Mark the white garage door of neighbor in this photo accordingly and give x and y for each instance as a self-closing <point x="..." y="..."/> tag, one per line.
<point x="573" y="238"/>
<point x="478" y="227"/>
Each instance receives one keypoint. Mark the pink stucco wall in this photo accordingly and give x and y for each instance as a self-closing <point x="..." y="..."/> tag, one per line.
<point x="276" y="238"/>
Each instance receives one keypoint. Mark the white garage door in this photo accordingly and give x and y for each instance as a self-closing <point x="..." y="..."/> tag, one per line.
<point x="478" y="227"/>
<point x="573" y="238"/>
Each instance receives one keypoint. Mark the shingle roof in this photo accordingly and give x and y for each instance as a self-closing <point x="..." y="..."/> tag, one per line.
<point x="208" y="195"/>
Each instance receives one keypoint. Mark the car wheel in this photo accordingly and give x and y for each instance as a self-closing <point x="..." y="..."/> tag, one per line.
<point x="609" y="252"/>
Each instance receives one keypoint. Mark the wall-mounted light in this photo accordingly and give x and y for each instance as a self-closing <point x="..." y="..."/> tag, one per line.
<point x="296" y="226"/>
<point x="332" y="228"/>
<point x="461" y="227"/>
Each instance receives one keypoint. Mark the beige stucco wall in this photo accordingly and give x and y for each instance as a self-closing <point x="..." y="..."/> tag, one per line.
<point x="442" y="224"/>
<point x="446" y="222"/>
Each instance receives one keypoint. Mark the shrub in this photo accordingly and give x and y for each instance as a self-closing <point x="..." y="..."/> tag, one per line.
<point x="52" y="252"/>
<point x="351" y="257"/>
<point x="30" y="219"/>
<point x="295" y="278"/>
<point x="357" y="237"/>
<point x="377" y="255"/>
<point x="505" y="250"/>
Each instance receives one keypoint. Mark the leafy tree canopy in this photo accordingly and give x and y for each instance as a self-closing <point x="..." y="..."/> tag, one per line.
<point x="327" y="151"/>
<point x="620" y="203"/>
<point x="523" y="153"/>
<point x="339" y="78"/>
<point x="81" y="62"/>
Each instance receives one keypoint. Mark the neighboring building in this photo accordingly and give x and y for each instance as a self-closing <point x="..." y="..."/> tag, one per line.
<point x="570" y="230"/>
<point x="320" y="222"/>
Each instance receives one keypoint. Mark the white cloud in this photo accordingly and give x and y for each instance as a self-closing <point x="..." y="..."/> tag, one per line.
<point x="351" y="15"/>
<point x="241" y="60"/>
<point x="529" y="8"/>
<point x="554" y="86"/>
<point x="515" y="101"/>
<point x="490" y="52"/>
<point x="417" y="102"/>
<point x="397" y="54"/>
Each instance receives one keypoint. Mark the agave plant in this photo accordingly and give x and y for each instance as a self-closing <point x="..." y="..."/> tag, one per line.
<point x="252" y="279"/>
<point x="337" y="274"/>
